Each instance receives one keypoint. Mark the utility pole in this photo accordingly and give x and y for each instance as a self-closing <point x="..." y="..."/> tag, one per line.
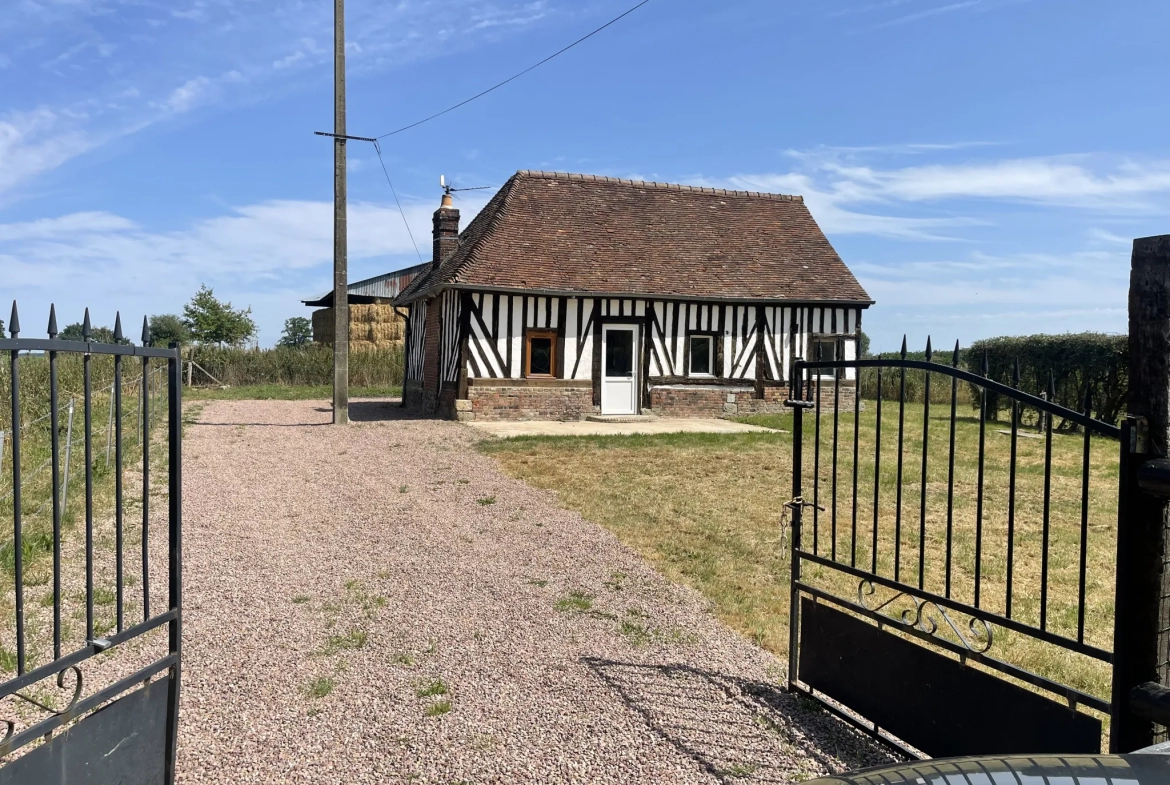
<point x="340" y="257"/>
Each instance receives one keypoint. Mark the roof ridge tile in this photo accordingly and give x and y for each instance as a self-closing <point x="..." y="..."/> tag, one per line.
<point x="703" y="189"/>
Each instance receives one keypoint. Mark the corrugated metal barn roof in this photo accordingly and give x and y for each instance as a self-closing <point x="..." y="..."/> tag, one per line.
<point x="386" y="286"/>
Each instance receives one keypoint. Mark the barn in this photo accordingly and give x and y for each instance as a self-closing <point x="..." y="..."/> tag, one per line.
<point x="578" y="296"/>
<point x="374" y="322"/>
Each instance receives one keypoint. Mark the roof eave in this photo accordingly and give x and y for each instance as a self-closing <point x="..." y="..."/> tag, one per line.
<point x="633" y="295"/>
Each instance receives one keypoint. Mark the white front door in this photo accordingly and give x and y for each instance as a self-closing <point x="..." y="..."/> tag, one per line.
<point x="619" y="369"/>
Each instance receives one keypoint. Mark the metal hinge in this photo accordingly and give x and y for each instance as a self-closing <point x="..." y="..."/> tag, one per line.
<point x="1139" y="435"/>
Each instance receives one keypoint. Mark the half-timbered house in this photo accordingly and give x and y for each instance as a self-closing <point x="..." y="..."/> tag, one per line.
<point x="573" y="295"/>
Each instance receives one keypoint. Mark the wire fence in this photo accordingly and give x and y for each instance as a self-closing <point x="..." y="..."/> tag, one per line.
<point x="36" y="436"/>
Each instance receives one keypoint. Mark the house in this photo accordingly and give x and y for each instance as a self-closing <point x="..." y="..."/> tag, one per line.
<point x="572" y="295"/>
<point x="373" y="321"/>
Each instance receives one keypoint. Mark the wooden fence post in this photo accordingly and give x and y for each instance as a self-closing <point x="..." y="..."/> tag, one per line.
<point x="1141" y="583"/>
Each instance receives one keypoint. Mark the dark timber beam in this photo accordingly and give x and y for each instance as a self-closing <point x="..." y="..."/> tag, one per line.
<point x="1142" y="516"/>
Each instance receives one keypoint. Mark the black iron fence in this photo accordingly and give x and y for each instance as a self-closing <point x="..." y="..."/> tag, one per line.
<point x="86" y="581"/>
<point x="992" y="544"/>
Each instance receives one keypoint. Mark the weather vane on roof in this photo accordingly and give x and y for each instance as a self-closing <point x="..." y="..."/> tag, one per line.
<point x="449" y="190"/>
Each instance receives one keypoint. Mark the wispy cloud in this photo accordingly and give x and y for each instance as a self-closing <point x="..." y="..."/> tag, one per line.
<point x="901" y="12"/>
<point x="253" y="251"/>
<point x="201" y="53"/>
<point x="851" y="192"/>
<point x="928" y="12"/>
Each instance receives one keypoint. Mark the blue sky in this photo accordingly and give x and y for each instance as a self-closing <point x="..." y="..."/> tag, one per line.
<point x="982" y="165"/>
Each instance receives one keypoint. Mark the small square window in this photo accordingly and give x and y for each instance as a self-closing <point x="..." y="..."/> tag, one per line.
<point x="702" y="355"/>
<point x="542" y="354"/>
<point x="824" y="350"/>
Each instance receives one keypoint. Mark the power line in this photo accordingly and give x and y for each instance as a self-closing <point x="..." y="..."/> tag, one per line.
<point x="516" y="76"/>
<point x="378" y="150"/>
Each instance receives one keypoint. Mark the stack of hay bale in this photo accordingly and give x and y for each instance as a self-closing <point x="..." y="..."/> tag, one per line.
<point x="374" y="326"/>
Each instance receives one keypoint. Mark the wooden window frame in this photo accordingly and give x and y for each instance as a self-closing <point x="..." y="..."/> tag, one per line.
<point x="542" y="333"/>
<point x="838" y="342"/>
<point x="711" y="338"/>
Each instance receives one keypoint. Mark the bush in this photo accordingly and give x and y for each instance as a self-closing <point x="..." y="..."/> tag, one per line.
<point x="940" y="386"/>
<point x="1078" y="363"/>
<point x="306" y="365"/>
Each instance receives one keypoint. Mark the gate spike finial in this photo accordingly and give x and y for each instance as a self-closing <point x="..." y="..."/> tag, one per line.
<point x="1051" y="387"/>
<point x="1016" y="373"/>
<point x="985" y="366"/>
<point x="145" y="332"/>
<point x="955" y="356"/>
<point x="85" y="326"/>
<point x="903" y="346"/>
<point x="929" y="351"/>
<point x="52" y="320"/>
<point x="14" y="321"/>
<point x="118" y="338"/>
<point x="1088" y="400"/>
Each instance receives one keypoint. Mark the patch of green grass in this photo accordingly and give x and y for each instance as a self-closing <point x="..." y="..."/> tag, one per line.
<point x="283" y="392"/>
<point x="739" y="771"/>
<point x="404" y="658"/>
<point x="402" y="489"/>
<point x="433" y="689"/>
<point x="104" y="596"/>
<point x="439" y="708"/>
<point x="354" y="639"/>
<point x="616" y="581"/>
<point x="575" y="601"/>
<point x="537" y="582"/>
<point x="637" y="634"/>
<point x="300" y="599"/>
<point x="485" y="501"/>
<point x="320" y="687"/>
<point x="7" y="659"/>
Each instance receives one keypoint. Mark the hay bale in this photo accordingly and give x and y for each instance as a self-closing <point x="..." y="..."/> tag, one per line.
<point x="376" y="324"/>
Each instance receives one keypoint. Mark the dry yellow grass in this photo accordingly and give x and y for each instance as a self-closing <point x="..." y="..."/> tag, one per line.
<point x="706" y="511"/>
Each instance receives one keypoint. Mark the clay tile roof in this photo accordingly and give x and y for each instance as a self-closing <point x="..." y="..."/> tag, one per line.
<point x="580" y="233"/>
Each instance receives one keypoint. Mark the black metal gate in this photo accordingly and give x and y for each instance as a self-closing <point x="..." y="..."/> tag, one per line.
<point x="952" y="578"/>
<point x="91" y="657"/>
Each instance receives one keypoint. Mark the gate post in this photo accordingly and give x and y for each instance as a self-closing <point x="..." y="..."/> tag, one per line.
<point x="1142" y="518"/>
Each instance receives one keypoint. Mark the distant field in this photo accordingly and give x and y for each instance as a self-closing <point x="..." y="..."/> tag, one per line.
<point x="705" y="509"/>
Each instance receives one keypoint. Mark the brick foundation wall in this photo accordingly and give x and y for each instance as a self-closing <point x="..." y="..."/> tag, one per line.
<point x="697" y="401"/>
<point x="712" y="401"/>
<point x="525" y="403"/>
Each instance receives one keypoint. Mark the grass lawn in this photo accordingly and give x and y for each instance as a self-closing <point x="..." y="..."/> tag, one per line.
<point x="705" y="509"/>
<point x="282" y="392"/>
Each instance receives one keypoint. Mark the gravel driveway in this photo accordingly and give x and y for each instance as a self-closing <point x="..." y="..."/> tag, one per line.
<point x="379" y="604"/>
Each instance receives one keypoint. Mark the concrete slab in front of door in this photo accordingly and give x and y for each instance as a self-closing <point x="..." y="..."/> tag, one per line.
<point x="506" y="429"/>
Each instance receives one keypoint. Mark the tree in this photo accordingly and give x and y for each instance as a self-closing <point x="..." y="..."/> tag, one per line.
<point x="211" y="320"/>
<point x="862" y="345"/>
<point x="298" y="331"/>
<point x="167" y="328"/>
<point x="74" y="332"/>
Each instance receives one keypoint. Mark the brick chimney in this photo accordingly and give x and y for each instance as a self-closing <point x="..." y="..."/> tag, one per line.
<point x="446" y="231"/>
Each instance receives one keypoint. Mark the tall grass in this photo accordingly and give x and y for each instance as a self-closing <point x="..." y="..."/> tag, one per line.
<point x="36" y="507"/>
<point x="309" y="366"/>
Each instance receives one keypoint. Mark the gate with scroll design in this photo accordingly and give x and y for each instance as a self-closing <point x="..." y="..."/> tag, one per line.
<point x="89" y="641"/>
<point x="952" y="579"/>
